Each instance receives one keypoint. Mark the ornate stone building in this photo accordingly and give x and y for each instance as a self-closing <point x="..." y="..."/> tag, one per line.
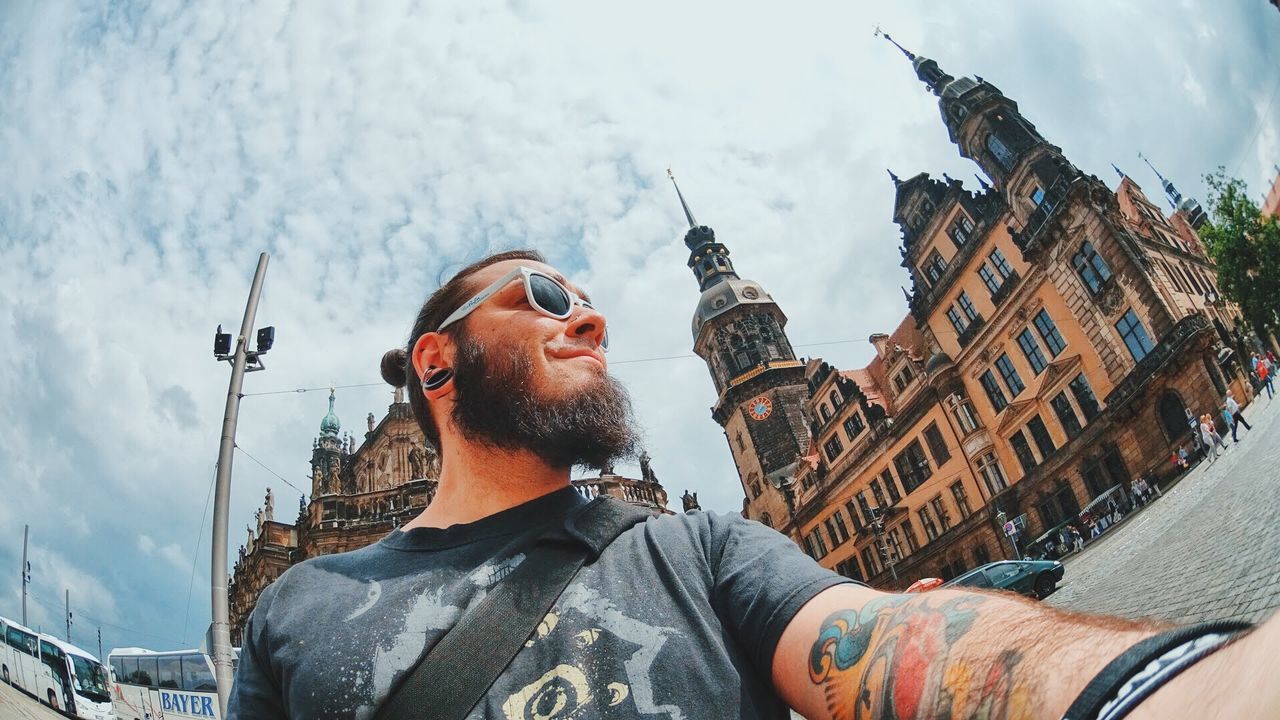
<point x="361" y="493"/>
<point x="1058" y="331"/>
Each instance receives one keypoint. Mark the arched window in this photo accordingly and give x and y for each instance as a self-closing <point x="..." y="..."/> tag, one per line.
<point x="1173" y="418"/>
<point x="835" y="399"/>
<point x="768" y="521"/>
<point x="826" y="412"/>
<point x="1000" y="151"/>
<point x="1091" y="267"/>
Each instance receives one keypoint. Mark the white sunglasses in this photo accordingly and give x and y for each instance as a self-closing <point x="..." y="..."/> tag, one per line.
<point x="544" y="292"/>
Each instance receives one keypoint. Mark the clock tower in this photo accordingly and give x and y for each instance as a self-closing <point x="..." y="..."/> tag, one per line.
<point x="738" y="330"/>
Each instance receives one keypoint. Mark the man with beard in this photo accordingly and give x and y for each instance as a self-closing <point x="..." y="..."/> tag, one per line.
<point x="698" y="615"/>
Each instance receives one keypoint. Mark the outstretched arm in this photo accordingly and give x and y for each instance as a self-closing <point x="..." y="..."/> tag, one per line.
<point x="856" y="653"/>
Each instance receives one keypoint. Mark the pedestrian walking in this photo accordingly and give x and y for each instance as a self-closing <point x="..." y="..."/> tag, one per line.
<point x="1268" y="370"/>
<point x="1209" y="435"/>
<point x="1236" y="415"/>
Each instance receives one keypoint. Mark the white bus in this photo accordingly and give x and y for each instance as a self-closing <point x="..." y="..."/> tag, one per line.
<point x="20" y="664"/>
<point x="173" y="684"/>
<point x="77" y="679"/>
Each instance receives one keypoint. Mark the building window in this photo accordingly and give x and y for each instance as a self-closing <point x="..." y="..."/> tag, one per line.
<point x="926" y="521"/>
<point x="835" y="399"/>
<point x="957" y="322"/>
<point x="853" y="425"/>
<point x="961" y="229"/>
<point x="994" y="393"/>
<point x="937" y="445"/>
<point x="870" y="562"/>
<point x="934" y="266"/>
<point x="1001" y="264"/>
<point x="1010" y="375"/>
<point x="819" y="545"/>
<point x="1085" y="398"/>
<point x="850" y="569"/>
<point x="1000" y="151"/>
<point x="992" y="474"/>
<point x="1037" y="195"/>
<point x="853" y="516"/>
<point x="895" y="544"/>
<point x="1031" y="349"/>
<point x="1091" y="268"/>
<point x="878" y="493"/>
<point x="1049" y="333"/>
<point x="989" y="279"/>
<point x="1134" y="334"/>
<point x="913" y="466"/>
<point x="833" y="448"/>
<point x="837" y="529"/>
<point x="1040" y="434"/>
<point x="1023" y="450"/>
<point x="966" y="306"/>
<point x="1066" y="414"/>
<point x="890" y="485"/>
<point x="755" y="490"/>
<point x="865" y="508"/>
<point x="825" y="412"/>
<point x="963" y="412"/>
<point x="961" y="498"/>
<point x="940" y="510"/>
<point x="903" y="377"/>
<point x="913" y="544"/>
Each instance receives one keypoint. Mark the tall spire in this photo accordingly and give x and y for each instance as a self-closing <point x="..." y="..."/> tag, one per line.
<point x="896" y="180"/>
<point x="1118" y="171"/>
<point x="687" y="212"/>
<point x="1175" y="197"/>
<point x="880" y="33"/>
<point x="927" y="70"/>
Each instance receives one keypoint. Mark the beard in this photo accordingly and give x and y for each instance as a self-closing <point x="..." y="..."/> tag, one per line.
<point x="496" y="403"/>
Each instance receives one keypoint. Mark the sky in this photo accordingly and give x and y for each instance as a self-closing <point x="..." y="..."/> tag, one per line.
<point x="151" y="151"/>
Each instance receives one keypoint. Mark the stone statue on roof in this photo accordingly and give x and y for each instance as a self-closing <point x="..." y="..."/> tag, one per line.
<point x="269" y="513"/>
<point x="690" y="501"/>
<point x="371" y="421"/>
<point x="646" y="469"/>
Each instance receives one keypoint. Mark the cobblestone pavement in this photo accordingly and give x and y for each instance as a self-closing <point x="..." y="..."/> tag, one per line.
<point x="1209" y="549"/>
<point x="14" y="705"/>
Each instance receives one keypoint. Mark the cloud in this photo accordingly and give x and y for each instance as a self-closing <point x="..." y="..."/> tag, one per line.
<point x="151" y="152"/>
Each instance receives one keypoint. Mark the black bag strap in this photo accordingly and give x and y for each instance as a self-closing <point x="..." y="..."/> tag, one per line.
<point x="450" y="679"/>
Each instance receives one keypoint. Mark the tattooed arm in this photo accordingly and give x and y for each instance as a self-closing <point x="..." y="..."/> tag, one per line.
<point x="853" y="653"/>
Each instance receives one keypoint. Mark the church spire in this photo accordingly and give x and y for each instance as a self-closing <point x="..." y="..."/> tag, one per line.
<point x="1175" y="197"/>
<point x="688" y="214"/>
<point x="1118" y="171"/>
<point x="927" y="70"/>
<point x="708" y="259"/>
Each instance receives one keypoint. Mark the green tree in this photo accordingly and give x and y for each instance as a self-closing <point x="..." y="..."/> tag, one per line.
<point x="1246" y="247"/>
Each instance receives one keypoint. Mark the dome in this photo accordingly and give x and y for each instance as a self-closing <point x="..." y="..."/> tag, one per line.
<point x="726" y="295"/>
<point x="936" y="362"/>
<point x="330" y="425"/>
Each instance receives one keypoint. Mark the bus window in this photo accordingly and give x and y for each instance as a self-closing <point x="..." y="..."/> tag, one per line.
<point x="117" y="668"/>
<point x="170" y="672"/>
<point x="148" y="671"/>
<point x="196" y="676"/>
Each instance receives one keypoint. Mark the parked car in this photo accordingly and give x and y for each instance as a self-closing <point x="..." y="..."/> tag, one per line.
<point x="1036" y="578"/>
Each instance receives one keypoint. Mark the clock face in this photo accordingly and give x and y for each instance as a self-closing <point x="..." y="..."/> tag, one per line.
<point x="761" y="407"/>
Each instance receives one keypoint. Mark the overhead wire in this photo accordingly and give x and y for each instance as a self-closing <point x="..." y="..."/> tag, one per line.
<point x="264" y="467"/>
<point x="196" y="555"/>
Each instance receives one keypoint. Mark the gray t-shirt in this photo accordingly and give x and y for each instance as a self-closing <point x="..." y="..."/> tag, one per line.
<point x="678" y="618"/>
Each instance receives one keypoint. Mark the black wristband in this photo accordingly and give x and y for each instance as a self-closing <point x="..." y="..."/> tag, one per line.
<point x="1107" y="685"/>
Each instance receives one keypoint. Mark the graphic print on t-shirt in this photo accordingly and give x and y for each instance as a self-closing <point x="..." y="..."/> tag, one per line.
<point x="607" y="660"/>
<point x="429" y="615"/>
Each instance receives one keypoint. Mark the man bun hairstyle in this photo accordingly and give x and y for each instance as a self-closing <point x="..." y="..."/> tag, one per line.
<point x="397" y="368"/>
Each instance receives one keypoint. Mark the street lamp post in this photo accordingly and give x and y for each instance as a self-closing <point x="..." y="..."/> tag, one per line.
<point x="242" y="360"/>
